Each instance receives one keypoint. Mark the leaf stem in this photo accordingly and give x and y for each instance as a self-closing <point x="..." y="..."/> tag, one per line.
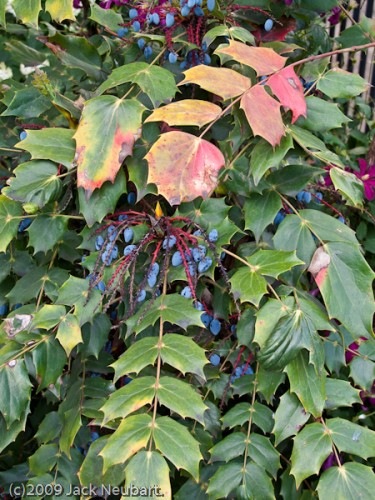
<point x="247" y="442"/>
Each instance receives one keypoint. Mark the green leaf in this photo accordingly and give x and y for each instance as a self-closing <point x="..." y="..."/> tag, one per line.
<point x="177" y="444"/>
<point x="225" y="480"/>
<point x="248" y="286"/>
<point x="48" y="316"/>
<point x="289" y="417"/>
<point x="102" y="201"/>
<point x="311" y="447"/>
<point x="293" y="234"/>
<point x="345" y="284"/>
<point x="156" y="82"/>
<point x="9" y="434"/>
<point x="15" y="390"/>
<point x="44" y="459"/>
<point x="27" y="103"/>
<point x="91" y="471"/>
<point x="273" y="262"/>
<point x="99" y="156"/>
<point x="235" y="32"/>
<point x="69" y="333"/>
<point x="60" y="9"/>
<point x="70" y="413"/>
<point x="46" y="231"/>
<point x="183" y="354"/>
<point x="95" y="335"/>
<point x="352" y="438"/>
<point x="9" y="209"/>
<point x="340" y="393"/>
<point x="230" y="447"/>
<point x="34" y="182"/>
<point x="263" y="453"/>
<point x="106" y="17"/>
<point x="309" y="387"/>
<point x="342" y="84"/>
<point x="260" y="211"/>
<point x="349" y="185"/>
<point x="172" y="308"/>
<point x="142" y="353"/>
<point x="327" y="228"/>
<point x="362" y="371"/>
<point x="240" y="413"/>
<point x="181" y="398"/>
<point x="349" y="482"/>
<point x="3" y="4"/>
<point x="49" y="359"/>
<point x="264" y="156"/>
<point x="55" y="144"/>
<point x="27" y="10"/>
<point x="322" y="115"/>
<point x="292" y="178"/>
<point x="74" y="292"/>
<point x="256" y="484"/>
<point x="128" y="399"/>
<point x="148" y="470"/>
<point x="131" y="435"/>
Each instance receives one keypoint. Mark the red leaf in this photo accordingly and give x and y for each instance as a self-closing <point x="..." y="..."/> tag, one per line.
<point x="278" y="33"/>
<point x="288" y="89"/>
<point x="184" y="166"/>
<point x="263" y="114"/>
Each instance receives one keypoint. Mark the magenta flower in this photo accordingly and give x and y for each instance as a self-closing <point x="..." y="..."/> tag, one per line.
<point x="367" y="175"/>
<point x="335" y="17"/>
<point x="288" y="2"/>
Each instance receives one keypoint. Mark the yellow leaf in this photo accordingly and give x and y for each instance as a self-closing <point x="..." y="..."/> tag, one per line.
<point x="186" y="112"/>
<point x="60" y="9"/>
<point x="69" y="333"/>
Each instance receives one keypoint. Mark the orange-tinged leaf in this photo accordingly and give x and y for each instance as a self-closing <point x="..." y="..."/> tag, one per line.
<point x="263" y="114"/>
<point x="223" y="82"/>
<point x="184" y="166"/>
<point x="186" y="112"/>
<point x="263" y="60"/>
<point x="105" y="136"/>
<point x="288" y="89"/>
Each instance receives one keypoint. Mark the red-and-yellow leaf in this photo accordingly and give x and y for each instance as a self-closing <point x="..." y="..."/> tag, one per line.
<point x="263" y="60"/>
<point x="184" y="166"/>
<point x="186" y="112"/>
<point x="223" y="82"/>
<point x="288" y="89"/>
<point x="105" y="136"/>
<point x="263" y="114"/>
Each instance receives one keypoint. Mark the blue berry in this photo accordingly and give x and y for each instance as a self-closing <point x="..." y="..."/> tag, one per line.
<point x="141" y="296"/>
<point x="198" y="232"/>
<point x="192" y="269"/>
<point x="106" y="258"/>
<point x="136" y="26"/>
<point x="238" y="371"/>
<point x="185" y="11"/>
<point x="300" y="196"/>
<point x="122" y="217"/>
<point x="207" y="59"/>
<point x="204" y="46"/>
<point x="279" y="218"/>
<point x="249" y="371"/>
<point x="191" y="3"/>
<point x="128" y="235"/>
<point x="4" y="309"/>
<point x="155" y="268"/>
<point x="23" y="135"/>
<point x="341" y="219"/>
<point x="213" y="235"/>
<point x="319" y="197"/>
<point x="204" y="265"/>
<point x="210" y="5"/>
<point x="199" y="252"/>
<point x="94" y="436"/>
<point x="133" y="13"/>
<point x="129" y="249"/>
<point x="176" y="259"/>
<point x="206" y="319"/>
<point x="131" y="196"/>
<point x="111" y="229"/>
<point x="151" y="280"/>
<point x="108" y="346"/>
<point x="114" y="253"/>
<point x="155" y="18"/>
<point x="172" y="58"/>
<point x="24" y="224"/>
<point x="307" y="197"/>
<point x="147" y="52"/>
<point x="169" y="242"/>
<point x="268" y="25"/>
<point x="186" y="292"/>
<point x="141" y="43"/>
<point x="198" y="306"/>
<point x="215" y="326"/>
<point x="215" y="359"/>
<point x="99" y="242"/>
<point x="198" y="11"/>
<point x="16" y="306"/>
<point x="169" y="20"/>
<point x="122" y="32"/>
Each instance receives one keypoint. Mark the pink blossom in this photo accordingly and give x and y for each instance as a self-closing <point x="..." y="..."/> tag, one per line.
<point x="335" y="17"/>
<point x="367" y="175"/>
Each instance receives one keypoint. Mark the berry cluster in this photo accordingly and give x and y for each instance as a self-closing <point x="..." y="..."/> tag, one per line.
<point x="239" y="371"/>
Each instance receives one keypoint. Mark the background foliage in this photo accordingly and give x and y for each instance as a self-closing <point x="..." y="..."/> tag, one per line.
<point x="186" y="250"/>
